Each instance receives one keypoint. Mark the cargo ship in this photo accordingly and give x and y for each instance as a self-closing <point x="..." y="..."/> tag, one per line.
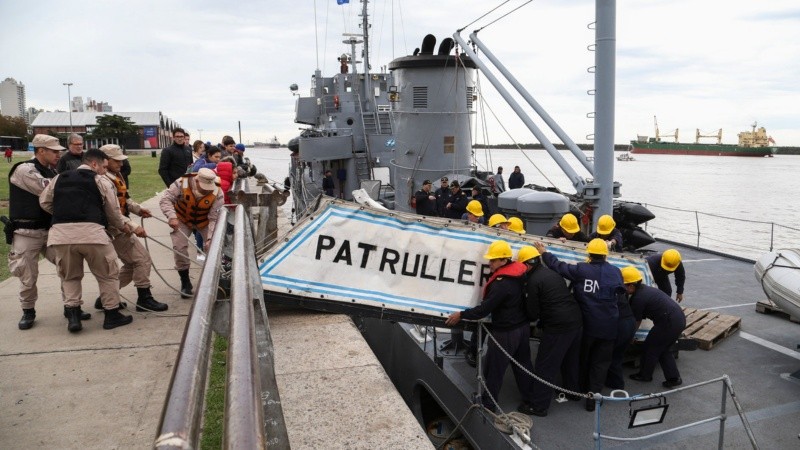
<point x="751" y="143"/>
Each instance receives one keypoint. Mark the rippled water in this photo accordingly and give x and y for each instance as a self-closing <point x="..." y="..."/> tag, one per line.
<point x="759" y="192"/>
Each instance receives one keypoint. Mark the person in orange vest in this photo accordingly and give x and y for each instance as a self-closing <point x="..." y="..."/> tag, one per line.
<point x="192" y="202"/>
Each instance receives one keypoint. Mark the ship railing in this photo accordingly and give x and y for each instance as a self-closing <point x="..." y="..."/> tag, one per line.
<point x="253" y="416"/>
<point x="744" y="239"/>
<point x="657" y="403"/>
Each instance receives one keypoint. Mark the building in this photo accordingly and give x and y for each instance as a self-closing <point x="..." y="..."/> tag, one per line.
<point x="155" y="129"/>
<point x="12" y="98"/>
<point x="77" y="105"/>
<point x="31" y="113"/>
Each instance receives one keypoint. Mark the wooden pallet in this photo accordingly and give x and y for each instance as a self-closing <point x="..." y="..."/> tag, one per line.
<point x="767" y="307"/>
<point x="709" y="327"/>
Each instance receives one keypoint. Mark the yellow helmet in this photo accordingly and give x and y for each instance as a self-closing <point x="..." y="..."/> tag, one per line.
<point x="498" y="249"/>
<point x="569" y="223"/>
<point x="516" y="225"/>
<point x="597" y="246"/>
<point x="670" y="260"/>
<point x="631" y="274"/>
<point x="527" y="252"/>
<point x="474" y="207"/>
<point x="497" y="219"/>
<point x="605" y="224"/>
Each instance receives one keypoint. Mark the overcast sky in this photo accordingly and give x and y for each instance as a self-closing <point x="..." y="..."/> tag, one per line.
<point x="207" y="64"/>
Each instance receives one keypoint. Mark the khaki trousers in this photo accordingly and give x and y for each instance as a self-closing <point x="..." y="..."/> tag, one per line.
<point x="136" y="262"/>
<point x="180" y="243"/>
<point x="23" y="263"/>
<point x="102" y="261"/>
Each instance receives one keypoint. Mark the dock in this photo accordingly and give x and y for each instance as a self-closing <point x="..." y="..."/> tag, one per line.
<point x="106" y="388"/>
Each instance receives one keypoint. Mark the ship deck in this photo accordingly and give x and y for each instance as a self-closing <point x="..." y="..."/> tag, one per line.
<point x="759" y="359"/>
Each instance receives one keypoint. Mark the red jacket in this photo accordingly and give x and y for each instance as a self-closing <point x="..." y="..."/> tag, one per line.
<point x="225" y="174"/>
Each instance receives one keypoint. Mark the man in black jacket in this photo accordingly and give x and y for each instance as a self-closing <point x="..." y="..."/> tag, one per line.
<point x="457" y="205"/>
<point x="425" y="200"/>
<point x="442" y="197"/>
<point x="503" y="299"/>
<point x="550" y="301"/>
<point x="516" y="180"/>
<point x="175" y="159"/>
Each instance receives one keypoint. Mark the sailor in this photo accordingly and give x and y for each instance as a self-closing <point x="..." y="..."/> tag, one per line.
<point x="626" y="328"/>
<point x="662" y="265"/>
<point x="474" y="213"/>
<point x="191" y="203"/>
<point x="499" y="221"/>
<point x="549" y="300"/>
<point x="516" y="180"/>
<point x="29" y="223"/>
<point x="668" y="324"/>
<point x="567" y="229"/>
<point x="596" y="285"/>
<point x="83" y="203"/>
<point x="515" y="224"/>
<point x="327" y="183"/>
<point x="607" y="230"/>
<point x="457" y="203"/>
<point x="136" y="262"/>
<point x="425" y="201"/>
<point x="503" y="299"/>
<point x="442" y="197"/>
<point x="477" y="194"/>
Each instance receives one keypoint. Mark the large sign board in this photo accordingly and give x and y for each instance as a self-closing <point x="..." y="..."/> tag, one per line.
<point x="398" y="261"/>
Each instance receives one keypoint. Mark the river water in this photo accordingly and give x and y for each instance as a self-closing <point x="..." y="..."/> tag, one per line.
<point x="754" y="196"/>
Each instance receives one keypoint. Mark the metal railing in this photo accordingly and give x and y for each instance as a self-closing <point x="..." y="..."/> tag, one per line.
<point x="744" y="238"/>
<point x="727" y="390"/>
<point x="253" y="413"/>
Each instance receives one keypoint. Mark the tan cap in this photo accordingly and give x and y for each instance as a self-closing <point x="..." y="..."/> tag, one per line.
<point x="206" y="179"/>
<point x="113" y="151"/>
<point x="45" y="141"/>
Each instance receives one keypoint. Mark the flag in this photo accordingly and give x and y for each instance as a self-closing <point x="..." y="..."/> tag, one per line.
<point x="342" y="2"/>
<point x="771" y="140"/>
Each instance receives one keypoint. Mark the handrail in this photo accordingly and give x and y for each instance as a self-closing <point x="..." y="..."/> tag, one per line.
<point x="179" y="427"/>
<point x="243" y="413"/>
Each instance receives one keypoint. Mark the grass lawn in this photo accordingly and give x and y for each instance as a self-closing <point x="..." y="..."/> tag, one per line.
<point x="215" y="397"/>
<point x="144" y="179"/>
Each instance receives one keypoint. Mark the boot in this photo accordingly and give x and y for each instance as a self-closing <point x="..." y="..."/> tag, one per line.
<point x="74" y="318"/>
<point x="115" y="319"/>
<point x="146" y="302"/>
<point x="98" y="304"/>
<point x="28" y="316"/>
<point x="186" y="284"/>
<point x="83" y="315"/>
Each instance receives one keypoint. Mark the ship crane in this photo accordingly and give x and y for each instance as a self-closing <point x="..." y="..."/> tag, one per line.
<point x="659" y="136"/>
<point x="698" y="135"/>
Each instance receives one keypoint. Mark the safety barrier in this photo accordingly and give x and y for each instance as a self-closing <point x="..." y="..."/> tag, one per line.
<point x="716" y="233"/>
<point x="253" y="413"/>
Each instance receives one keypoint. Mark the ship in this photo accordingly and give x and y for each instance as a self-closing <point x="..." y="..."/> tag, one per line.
<point x="364" y="251"/>
<point x="753" y="143"/>
<point x="274" y="143"/>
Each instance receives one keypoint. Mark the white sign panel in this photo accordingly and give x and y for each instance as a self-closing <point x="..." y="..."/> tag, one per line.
<point x="389" y="260"/>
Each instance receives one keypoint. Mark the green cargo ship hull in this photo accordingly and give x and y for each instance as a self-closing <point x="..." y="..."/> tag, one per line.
<point x="671" y="148"/>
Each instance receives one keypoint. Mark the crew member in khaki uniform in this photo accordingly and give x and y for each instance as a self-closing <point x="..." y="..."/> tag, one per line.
<point x="29" y="222"/>
<point x="83" y="202"/>
<point x="192" y="202"/>
<point x="136" y="262"/>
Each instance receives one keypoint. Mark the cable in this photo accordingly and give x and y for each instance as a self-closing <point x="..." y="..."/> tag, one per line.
<point x="481" y="17"/>
<point x="504" y="15"/>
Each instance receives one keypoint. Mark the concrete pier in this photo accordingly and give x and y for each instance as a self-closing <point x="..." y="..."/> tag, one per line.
<point x="105" y="388"/>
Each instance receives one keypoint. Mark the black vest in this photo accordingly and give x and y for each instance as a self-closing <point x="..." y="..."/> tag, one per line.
<point x="76" y="198"/>
<point x="24" y="207"/>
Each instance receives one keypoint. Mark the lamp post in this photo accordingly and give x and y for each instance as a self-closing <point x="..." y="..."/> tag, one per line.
<point x="200" y="131"/>
<point x="69" y="104"/>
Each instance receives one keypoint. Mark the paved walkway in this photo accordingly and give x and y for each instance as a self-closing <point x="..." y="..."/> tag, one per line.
<point x="104" y="389"/>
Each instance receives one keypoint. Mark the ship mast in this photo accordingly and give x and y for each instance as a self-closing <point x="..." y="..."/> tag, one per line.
<point x="365" y="29"/>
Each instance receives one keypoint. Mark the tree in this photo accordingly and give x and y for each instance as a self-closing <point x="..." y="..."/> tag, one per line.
<point x="13" y="126"/>
<point x="116" y="127"/>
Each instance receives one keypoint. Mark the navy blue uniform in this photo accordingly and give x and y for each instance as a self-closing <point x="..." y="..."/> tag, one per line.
<point x="668" y="323"/>
<point x="626" y="328"/>
<point x="549" y="300"/>
<point x="596" y="286"/>
<point x="425" y="206"/>
<point x="442" y="199"/>
<point x="458" y="205"/>
<point x="661" y="276"/>
<point x="615" y="234"/>
<point x="503" y="299"/>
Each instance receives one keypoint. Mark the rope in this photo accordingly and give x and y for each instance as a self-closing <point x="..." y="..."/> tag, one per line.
<point x="481" y="17"/>
<point x="504" y="15"/>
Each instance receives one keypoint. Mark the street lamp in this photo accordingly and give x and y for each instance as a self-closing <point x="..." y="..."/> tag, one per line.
<point x="69" y="104"/>
<point x="200" y="130"/>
